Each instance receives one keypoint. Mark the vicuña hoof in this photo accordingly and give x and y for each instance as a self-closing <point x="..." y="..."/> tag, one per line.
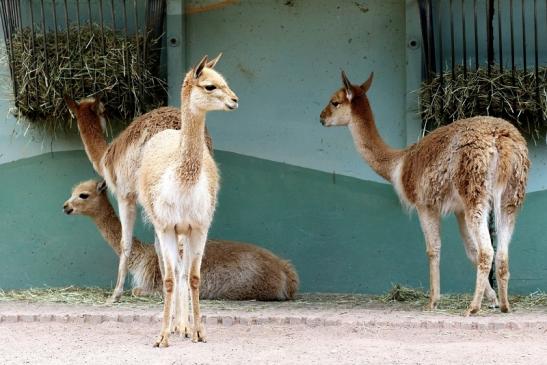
<point x="198" y="335"/>
<point x="505" y="308"/>
<point x="182" y="330"/>
<point x="431" y="306"/>
<point x="470" y="311"/>
<point x="162" y="341"/>
<point x="115" y="298"/>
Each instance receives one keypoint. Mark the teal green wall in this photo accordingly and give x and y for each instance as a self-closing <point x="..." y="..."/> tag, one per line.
<point x="288" y="184"/>
<point x="342" y="234"/>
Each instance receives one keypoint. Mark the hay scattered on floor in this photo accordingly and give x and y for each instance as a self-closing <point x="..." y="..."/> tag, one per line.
<point x="74" y="63"/>
<point x="73" y="295"/>
<point x="520" y="101"/>
<point x="398" y="297"/>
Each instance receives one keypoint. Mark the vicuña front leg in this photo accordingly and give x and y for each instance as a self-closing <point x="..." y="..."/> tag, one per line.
<point x="478" y="227"/>
<point x="168" y="244"/>
<point x="127" y="216"/>
<point x="429" y="221"/>
<point x="195" y="250"/>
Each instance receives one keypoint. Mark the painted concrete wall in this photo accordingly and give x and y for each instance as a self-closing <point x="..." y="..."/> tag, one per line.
<point x="288" y="184"/>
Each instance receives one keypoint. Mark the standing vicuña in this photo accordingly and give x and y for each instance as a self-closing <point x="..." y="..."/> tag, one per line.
<point x="467" y="168"/>
<point x="177" y="186"/>
<point x="119" y="162"/>
<point x="231" y="270"/>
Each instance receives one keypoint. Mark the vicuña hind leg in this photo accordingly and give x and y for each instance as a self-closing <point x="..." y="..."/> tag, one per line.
<point x="195" y="251"/>
<point x="471" y="249"/>
<point x="506" y="224"/>
<point x="429" y="220"/>
<point x="168" y="244"/>
<point x="181" y="324"/>
<point x="127" y="217"/>
<point x="478" y="228"/>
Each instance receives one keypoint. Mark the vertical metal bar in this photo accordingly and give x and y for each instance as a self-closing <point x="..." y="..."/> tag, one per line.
<point x="490" y="34"/>
<point x="102" y="23"/>
<point x="112" y="14"/>
<point x="56" y="30"/>
<point x="145" y="33"/>
<point x="92" y="43"/>
<point x="125" y="49"/>
<point x="33" y="47"/>
<point x="138" y="43"/>
<point x="431" y="37"/>
<point x="452" y="40"/>
<point x="425" y="37"/>
<point x="46" y="73"/>
<point x="441" y="55"/>
<point x="67" y="27"/>
<point x="475" y="30"/>
<point x="536" y="58"/>
<point x="464" y="39"/>
<point x="523" y="35"/>
<point x="8" y="37"/>
<point x="500" y="38"/>
<point x="78" y="25"/>
<point x="512" y="42"/>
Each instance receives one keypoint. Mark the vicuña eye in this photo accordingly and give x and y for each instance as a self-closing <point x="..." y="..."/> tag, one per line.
<point x="210" y="87"/>
<point x="84" y="196"/>
<point x="335" y="103"/>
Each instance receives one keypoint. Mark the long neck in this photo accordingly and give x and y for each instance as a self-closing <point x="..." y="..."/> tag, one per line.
<point x="369" y="143"/>
<point x="94" y="142"/>
<point x="192" y="138"/>
<point x="109" y="225"/>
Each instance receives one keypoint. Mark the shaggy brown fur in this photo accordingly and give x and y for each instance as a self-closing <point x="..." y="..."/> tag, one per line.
<point x="231" y="270"/>
<point x="468" y="167"/>
<point x="119" y="162"/>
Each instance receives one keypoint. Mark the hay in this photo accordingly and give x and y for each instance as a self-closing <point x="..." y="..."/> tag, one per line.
<point x="397" y="298"/>
<point x="77" y="66"/>
<point x="524" y="104"/>
<point x="74" y="295"/>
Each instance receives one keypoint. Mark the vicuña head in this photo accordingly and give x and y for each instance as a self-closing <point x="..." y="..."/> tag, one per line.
<point x="209" y="89"/>
<point x="89" y="110"/>
<point x="87" y="198"/>
<point x="340" y="108"/>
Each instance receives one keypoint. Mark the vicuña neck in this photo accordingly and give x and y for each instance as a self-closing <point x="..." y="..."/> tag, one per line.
<point x="110" y="227"/>
<point x="192" y="138"/>
<point x="369" y="143"/>
<point x="94" y="142"/>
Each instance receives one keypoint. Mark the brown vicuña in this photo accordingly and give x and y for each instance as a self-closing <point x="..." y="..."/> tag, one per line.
<point x="467" y="167"/>
<point x="231" y="270"/>
<point x="177" y="186"/>
<point x="119" y="162"/>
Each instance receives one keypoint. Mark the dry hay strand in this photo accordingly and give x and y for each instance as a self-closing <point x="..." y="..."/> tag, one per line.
<point x="124" y="75"/>
<point x="521" y="100"/>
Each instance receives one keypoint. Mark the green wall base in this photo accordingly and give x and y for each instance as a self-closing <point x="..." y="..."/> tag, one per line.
<point x="342" y="234"/>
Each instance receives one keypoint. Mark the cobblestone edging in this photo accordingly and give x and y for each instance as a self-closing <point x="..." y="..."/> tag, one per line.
<point x="97" y="318"/>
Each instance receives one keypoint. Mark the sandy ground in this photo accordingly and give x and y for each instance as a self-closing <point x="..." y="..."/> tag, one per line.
<point x="271" y="334"/>
<point x="120" y="343"/>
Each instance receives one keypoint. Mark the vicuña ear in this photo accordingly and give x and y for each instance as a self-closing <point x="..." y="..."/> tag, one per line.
<point x="96" y="104"/>
<point x="366" y="85"/>
<point x="72" y="105"/>
<point x="347" y="86"/>
<point x="101" y="186"/>
<point x="212" y="63"/>
<point x="199" y="68"/>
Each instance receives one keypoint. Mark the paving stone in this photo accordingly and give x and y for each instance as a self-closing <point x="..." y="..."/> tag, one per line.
<point x="227" y="321"/>
<point x="27" y="318"/>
